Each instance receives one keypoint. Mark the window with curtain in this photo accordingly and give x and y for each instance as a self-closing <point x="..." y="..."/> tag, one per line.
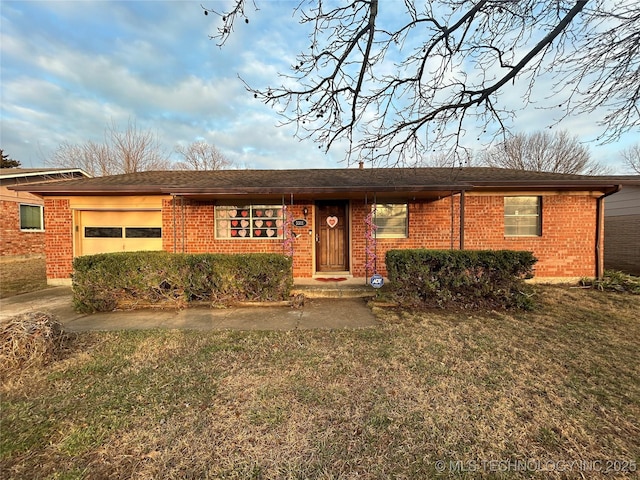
<point x="392" y="220"/>
<point x="522" y="216"/>
<point x="31" y="217"/>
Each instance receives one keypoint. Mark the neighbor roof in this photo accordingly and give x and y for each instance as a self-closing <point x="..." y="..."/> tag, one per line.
<point x="7" y="173"/>
<point x="321" y="181"/>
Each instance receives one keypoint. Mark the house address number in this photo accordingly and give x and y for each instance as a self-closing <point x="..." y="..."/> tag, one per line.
<point x="299" y="222"/>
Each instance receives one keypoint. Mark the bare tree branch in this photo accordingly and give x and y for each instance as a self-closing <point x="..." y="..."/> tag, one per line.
<point x="402" y="88"/>
<point x="123" y="151"/>
<point x="544" y="152"/>
<point x="201" y="156"/>
<point x="631" y="157"/>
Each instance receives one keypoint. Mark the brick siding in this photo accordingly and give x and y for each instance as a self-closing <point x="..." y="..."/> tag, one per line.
<point x="565" y="249"/>
<point x="188" y="226"/>
<point x="59" y="238"/>
<point x="15" y="241"/>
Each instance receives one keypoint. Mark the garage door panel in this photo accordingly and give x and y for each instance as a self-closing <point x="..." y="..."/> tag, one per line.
<point x="139" y="218"/>
<point x="119" y="231"/>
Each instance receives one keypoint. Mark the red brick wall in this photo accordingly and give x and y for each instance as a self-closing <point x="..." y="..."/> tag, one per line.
<point x="193" y="223"/>
<point x="430" y="226"/>
<point x="14" y="241"/>
<point x="566" y="247"/>
<point x="58" y="220"/>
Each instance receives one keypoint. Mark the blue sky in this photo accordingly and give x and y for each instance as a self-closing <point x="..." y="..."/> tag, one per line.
<point x="70" y="68"/>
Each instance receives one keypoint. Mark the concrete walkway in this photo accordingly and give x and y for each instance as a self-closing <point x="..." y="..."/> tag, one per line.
<point x="317" y="313"/>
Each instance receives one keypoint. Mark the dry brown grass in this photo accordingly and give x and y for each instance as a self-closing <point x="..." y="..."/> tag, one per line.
<point x="31" y="339"/>
<point x="21" y="275"/>
<point x="557" y="385"/>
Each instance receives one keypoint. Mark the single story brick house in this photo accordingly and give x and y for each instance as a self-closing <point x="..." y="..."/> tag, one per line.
<point x="22" y="229"/>
<point x="334" y="222"/>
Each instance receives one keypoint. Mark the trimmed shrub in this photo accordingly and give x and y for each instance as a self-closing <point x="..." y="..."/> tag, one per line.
<point x="461" y="278"/>
<point x="132" y="280"/>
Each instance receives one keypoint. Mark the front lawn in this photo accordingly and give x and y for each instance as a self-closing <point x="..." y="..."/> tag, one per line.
<point x="553" y="393"/>
<point x="21" y="275"/>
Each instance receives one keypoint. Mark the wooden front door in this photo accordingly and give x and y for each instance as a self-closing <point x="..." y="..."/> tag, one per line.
<point x="332" y="236"/>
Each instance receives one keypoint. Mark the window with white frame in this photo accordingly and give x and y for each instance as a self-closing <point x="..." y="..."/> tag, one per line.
<point x="31" y="217"/>
<point x="249" y="221"/>
<point x="392" y="220"/>
<point x="522" y="216"/>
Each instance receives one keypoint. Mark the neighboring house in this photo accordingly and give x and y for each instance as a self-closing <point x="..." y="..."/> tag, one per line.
<point x="622" y="229"/>
<point x="22" y="229"/>
<point x="323" y="217"/>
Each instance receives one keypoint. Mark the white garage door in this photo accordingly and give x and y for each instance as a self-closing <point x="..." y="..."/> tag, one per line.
<point x="119" y="231"/>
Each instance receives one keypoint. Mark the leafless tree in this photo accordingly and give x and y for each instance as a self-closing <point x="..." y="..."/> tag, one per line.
<point x="631" y="157"/>
<point x="201" y="156"/>
<point x="93" y="158"/>
<point x="454" y="159"/>
<point x="136" y="150"/>
<point x="399" y="81"/>
<point x="543" y="151"/>
<point x="123" y="151"/>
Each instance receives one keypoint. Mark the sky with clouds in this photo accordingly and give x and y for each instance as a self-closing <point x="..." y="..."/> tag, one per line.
<point x="70" y="68"/>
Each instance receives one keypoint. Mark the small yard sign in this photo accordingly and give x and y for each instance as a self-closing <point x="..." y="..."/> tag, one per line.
<point x="376" y="281"/>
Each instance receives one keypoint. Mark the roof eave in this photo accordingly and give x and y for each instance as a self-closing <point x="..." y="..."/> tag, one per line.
<point x="537" y="185"/>
<point x="56" y="189"/>
<point x="314" y="190"/>
<point x="41" y="173"/>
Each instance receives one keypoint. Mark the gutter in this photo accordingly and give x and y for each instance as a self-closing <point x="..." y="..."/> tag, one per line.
<point x="462" y="192"/>
<point x="43" y="173"/>
<point x="600" y="230"/>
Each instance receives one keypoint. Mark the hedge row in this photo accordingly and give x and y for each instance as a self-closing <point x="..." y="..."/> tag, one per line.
<point x="461" y="278"/>
<point x="108" y="281"/>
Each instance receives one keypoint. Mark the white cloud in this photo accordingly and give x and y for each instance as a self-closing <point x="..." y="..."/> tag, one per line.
<point x="70" y="68"/>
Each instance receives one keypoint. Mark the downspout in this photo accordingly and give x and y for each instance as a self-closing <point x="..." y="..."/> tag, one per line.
<point x="600" y="231"/>
<point x="461" y="219"/>
<point x="184" y="225"/>
<point x="451" y="224"/>
<point x="175" y="240"/>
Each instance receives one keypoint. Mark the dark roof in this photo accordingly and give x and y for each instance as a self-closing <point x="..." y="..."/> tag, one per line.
<point x="323" y="181"/>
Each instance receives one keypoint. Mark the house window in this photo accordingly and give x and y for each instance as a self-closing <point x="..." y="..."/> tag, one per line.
<point x="392" y="220"/>
<point x="522" y="216"/>
<point x="31" y="218"/>
<point x="249" y="221"/>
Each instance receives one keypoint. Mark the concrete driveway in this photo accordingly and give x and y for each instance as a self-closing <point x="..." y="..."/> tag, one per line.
<point x="317" y="313"/>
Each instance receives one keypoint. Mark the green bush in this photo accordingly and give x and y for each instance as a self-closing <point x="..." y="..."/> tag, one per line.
<point x="461" y="278"/>
<point x="107" y="281"/>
